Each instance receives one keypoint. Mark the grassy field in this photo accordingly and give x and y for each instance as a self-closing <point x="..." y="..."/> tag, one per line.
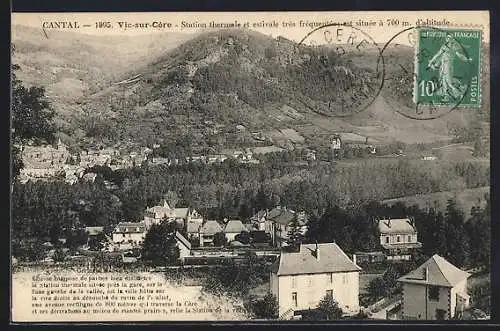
<point x="466" y="199"/>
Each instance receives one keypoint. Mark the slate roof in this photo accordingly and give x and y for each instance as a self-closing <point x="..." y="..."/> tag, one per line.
<point x="398" y="225"/>
<point x="331" y="259"/>
<point x="210" y="227"/>
<point x="439" y="273"/>
<point x="156" y="209"/>
<point x="130" y="227"/>
<point x="235" y="226"/>
<point x="193" y="227"/>
<point x="181" y="212"/>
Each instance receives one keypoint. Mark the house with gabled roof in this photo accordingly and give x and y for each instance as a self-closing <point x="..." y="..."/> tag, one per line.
<point x="398" y="238"/>
<point x="436" y="290"/>
<point x="233" y="228"/>
<point x="277" y="222"/>
<point x="300" y="279"/>
<point x="129" y="234"/>
<point x="208" y="231"/>
<point x="156" y="214"/>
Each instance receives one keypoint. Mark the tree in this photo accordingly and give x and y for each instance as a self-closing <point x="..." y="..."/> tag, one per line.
<point x="172" y="198"/>
<point x="266" y="308"/>
<point x="31" y="118"/>
<point x="329" y="309"/>
<point x="243" y="237"/>
<point x="295" y="236"/>
<point x="220" y="239"/>
<point x="376" y="289"/>
<point x="160" y="245"/>
<point x="59" y="255"/>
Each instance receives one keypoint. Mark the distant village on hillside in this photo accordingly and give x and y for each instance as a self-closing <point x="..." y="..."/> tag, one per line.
<point x="48" y="162"/>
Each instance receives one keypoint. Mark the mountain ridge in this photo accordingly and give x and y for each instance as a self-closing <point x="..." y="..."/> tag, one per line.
<point x="234" y="77"/>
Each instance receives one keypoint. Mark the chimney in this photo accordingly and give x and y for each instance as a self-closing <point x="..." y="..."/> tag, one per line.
<point x="354" y="258"/>
<point x="389" y="222"/>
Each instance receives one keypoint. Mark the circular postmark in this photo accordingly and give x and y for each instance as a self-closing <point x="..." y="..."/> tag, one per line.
<point x="423" y="80"/>
<point x="349" y="67"/>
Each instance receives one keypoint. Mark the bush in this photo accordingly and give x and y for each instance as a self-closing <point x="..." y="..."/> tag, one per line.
<point x="265" y="308"/>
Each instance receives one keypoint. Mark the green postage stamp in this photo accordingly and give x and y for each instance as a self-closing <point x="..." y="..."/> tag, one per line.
<point x="448" y="67"/>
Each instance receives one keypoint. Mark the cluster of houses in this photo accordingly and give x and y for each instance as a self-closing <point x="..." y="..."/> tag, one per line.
<point x="436" y="290"/>
<point x="46" y="162"/>
<point x="354" y="141"/>
<point x="301" y="278"/>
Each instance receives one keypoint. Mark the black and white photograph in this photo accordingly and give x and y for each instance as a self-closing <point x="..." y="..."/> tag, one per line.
<point x="250" y="166"/>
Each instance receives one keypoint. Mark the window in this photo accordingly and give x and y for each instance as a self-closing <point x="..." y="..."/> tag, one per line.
<point x="329" y="293"/>
<point x="434" y="293"/>
<point x="409" y="239"/>
<point x="386" y="240"/>
<point x="294" y="281"/>
<point x="398" y="238"/>
<point x="345" y="279"/>
<point x="331" y="277"/>
<point x="311" y="281"/>
<point x="294" y="298"/>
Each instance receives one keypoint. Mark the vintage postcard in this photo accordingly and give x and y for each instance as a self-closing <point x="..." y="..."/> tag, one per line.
<point x="182" y="166"/>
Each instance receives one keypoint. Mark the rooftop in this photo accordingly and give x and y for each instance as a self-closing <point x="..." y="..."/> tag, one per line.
<point x="235" y="226"/>
<point x="130" y="227"/>
<point x="211" y="228"/>
<point x="193" y="227"/>
<point x="182" y="239"/>
<point x="331" y="259"/>
<point x="435" y="271"/>
<point x="397" y="225"/>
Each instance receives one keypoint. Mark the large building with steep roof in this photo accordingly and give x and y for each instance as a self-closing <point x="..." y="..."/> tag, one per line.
<point x="299" y="280"/>
<point x="156" y="214"/>
<point x="436" y="290"/>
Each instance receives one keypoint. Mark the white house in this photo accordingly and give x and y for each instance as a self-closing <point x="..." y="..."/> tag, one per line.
<point x="129" y="233"/>
<point x="436" y="290"/>
<point x="233" y="228"/>
<point x="398" y="237"/>
<point x="299" y="280"/>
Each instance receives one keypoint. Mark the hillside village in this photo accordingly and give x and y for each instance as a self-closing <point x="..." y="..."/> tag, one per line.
<point x="250" y="186"/>
<point x="300" y="274"/>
